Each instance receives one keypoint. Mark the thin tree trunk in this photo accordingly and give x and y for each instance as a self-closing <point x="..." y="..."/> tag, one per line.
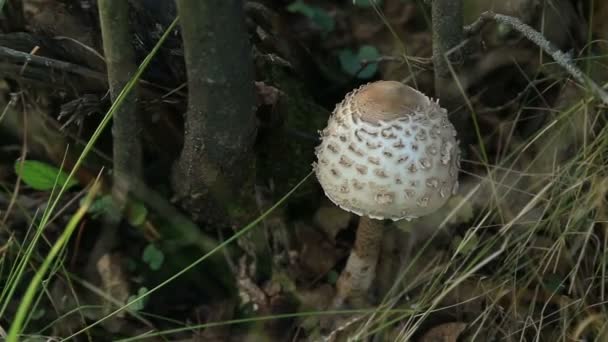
<point x="120" y="61"/>
<point x="126" y="127"/>
<point x="447" y="21"/>
<point x="219" y="130"/>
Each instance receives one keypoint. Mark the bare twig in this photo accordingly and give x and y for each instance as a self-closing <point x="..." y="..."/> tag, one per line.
<point x="49" y="71"/>
<point x="14" y="57"/>
<point x="475" y="27"/>
<point x="537" y="38"/>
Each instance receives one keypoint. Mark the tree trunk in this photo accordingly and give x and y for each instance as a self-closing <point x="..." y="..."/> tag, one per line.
<point x="120" y="61"/>
<point x="219" y="129"/>
<point x="126" y="126"/>
<point x="447" y="18"/>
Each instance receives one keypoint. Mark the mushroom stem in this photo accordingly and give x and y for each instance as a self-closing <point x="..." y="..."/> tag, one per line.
<point x="356" y="278"/>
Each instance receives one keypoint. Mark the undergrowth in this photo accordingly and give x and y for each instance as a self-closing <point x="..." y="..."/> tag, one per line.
<point x="526" y="256"/>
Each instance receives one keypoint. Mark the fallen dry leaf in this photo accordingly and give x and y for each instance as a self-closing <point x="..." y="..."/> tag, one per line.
<point x="113" y="277"/>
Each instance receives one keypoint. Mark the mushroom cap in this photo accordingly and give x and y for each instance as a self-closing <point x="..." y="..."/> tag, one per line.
<point x="388" y="152"/>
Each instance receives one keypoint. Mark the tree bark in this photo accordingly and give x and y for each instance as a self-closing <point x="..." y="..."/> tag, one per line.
<point x="447" y="22"/>
<point x="126" y="126"/>
<point x="120" y="61"/>
<point x="220" y="125"/>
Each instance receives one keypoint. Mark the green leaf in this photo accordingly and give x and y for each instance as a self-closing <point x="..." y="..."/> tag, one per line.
<point x="104" y="205"/>
<point x="317" y="15"/>
<point x="136" y="214"/>
<point x="138" y="305"/>
<point x="368" y="53"/>
<point x="352" y="63"/>
<point x="101" y="205"/>
<point x="153" y="256"/>
<point x="42" y="176"/>
<point x="349" y="62"/>
<point x="301" y="7"/>
<point x="323" y="20"/>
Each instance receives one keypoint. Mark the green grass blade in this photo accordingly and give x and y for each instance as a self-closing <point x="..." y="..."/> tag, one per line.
<point x="30" y="293"/>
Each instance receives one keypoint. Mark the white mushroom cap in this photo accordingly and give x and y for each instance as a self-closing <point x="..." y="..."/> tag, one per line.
<point x="388" y="152"/>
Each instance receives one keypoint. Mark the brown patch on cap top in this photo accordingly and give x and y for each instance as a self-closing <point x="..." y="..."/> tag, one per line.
<point x="387" y="100"/>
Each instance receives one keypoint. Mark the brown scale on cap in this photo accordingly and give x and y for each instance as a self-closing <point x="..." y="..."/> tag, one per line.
<point x="387" y="100"/>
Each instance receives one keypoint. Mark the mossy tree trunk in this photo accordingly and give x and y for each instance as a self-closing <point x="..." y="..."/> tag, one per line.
<point x="216" y="161"/>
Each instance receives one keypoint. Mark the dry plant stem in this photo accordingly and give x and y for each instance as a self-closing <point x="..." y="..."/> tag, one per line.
<point x="447" y="22"/>
<point x="356" y="278"/>
<point x="220" y="123"/>
<point x="537" y="38"/>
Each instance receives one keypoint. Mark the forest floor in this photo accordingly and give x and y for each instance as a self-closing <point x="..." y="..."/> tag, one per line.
<point x="519" y="253"/>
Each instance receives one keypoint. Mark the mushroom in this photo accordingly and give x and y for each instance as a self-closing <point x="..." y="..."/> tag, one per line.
<point x="388" y="153"/>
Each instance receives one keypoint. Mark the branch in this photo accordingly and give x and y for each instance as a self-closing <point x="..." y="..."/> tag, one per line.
<point x="47" y="71"/>
<point x="537" y="38"/>
<point x="10" y="58"/>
